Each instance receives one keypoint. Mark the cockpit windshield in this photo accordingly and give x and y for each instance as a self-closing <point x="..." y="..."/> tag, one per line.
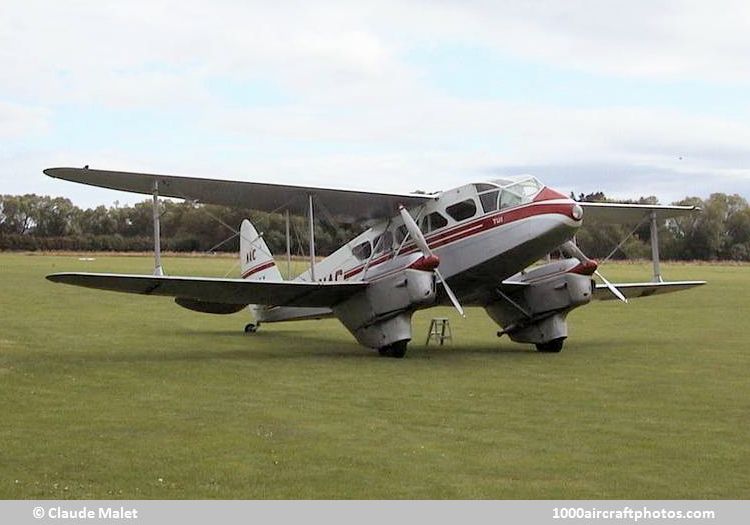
<point x="505" y="193"/>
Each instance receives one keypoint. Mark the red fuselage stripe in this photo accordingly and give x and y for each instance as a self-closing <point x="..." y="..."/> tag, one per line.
<point x="483" y="224"/>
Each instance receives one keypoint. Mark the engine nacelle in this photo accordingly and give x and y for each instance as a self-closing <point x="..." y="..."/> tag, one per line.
<point x="381" y="314"/>
<point x="535" y="312"/>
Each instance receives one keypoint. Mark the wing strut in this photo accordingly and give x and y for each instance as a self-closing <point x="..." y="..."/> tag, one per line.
<point x="288" y="246"/>
<point x="158" y="270"/>
<point x="312" y="237"/>
<point x="655" y="248"/>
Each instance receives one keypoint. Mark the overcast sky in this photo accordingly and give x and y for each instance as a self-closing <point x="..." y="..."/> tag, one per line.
<point x="632" y="98"/>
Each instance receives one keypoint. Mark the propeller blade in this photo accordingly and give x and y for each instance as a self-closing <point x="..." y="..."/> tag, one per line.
<point x="414" y="231"/>
<point x="576" y="252"/>
<point x="612" y="288"/>
<point x="421" y="242"/>
<point x="450" y="293"/>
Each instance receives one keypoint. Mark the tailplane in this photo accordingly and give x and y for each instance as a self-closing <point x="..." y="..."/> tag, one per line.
<point x="256" y="261"/>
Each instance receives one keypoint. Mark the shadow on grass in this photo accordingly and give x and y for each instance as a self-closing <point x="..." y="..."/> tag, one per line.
<point x="289" y="345"/>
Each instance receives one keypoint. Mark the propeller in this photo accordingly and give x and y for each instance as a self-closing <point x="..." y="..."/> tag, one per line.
<point x="421" y="242"/>
<point x="576" y="252"/>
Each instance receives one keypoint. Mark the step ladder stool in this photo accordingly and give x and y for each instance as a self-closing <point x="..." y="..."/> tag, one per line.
<point x="440" y="330"/>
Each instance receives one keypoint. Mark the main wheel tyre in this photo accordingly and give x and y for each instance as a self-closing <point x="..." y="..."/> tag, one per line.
<point x="397" y="350"/>
<point x="553" y="346"/>
<point x="251" y="328"/>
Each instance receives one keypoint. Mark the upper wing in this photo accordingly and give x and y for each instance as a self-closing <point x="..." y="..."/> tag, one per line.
<point x="344" y="204"/>
<point x="633" y="290"/>
<point x="612" y="212"/>
<point x="218" y="291"/>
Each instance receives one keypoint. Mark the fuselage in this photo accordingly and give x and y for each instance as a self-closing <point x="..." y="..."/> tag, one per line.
<point x="482" y="233"/>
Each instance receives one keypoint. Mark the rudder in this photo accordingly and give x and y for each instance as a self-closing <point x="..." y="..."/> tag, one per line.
<point x="256" y="260"/>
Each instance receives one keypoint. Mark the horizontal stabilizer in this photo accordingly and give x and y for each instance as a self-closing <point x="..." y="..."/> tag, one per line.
<point x="616" y="213"/>
<point x="215" y="290"/>
<point x="634" y="290"/>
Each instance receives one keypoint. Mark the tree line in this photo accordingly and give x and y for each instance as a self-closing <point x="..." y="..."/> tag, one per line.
<point x="721" y="231"/>
<point x="33" y="222"/>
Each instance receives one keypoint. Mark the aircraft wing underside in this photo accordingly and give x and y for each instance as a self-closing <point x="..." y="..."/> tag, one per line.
<point x="218" y="291"/>
<point x="616" y="213"/>
<point x="634" y="290"/>
<point x="343" y="204"/>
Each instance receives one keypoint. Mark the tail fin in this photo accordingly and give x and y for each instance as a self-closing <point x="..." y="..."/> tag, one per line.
<point x="256" y="261"/>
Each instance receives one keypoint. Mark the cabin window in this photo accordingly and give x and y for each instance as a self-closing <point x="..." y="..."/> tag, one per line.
<point x="401" y="233"/>
<point x="383" y="242"/>
<point x="433" y="221"/>
<point x="362" y="251"/>
<point x="489" y="201"/>
<point x="462" y="210"/>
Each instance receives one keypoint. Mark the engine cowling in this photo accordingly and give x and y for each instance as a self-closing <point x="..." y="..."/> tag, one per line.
<point x="381" y="314"/>
<point x="535" y="311"/>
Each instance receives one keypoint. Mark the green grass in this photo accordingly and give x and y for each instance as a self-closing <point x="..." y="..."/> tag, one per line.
<point x="106" y="395"/>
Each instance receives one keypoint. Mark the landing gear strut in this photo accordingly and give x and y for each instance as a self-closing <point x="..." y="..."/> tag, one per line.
<point x="397" y="349"/>
<point x="553" y="346"/>
<point x="251" y="328"/>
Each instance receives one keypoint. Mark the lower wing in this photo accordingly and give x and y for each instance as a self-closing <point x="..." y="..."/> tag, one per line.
<point x="633" y="290"/>
<point x="216" y="295"/>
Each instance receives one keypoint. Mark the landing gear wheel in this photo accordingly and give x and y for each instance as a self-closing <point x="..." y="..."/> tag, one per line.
<point x="397" y="350"/>
<point x="553" y="346"/>
<point x="251" y="328"/>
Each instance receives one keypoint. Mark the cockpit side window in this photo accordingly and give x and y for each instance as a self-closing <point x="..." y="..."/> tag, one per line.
<point x="433" y="221"/>
<point x="508" y="199"/>
<point x="462" y="210"/>
<point x="519" y="193"/>
<point x="362" y="251"/>
<point x="526" y="189"/>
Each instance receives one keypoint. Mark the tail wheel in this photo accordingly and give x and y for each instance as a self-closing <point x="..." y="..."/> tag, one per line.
<point x="553" y="346"/>
<point x="397" y="349"/>
<point x="251" y="328"/>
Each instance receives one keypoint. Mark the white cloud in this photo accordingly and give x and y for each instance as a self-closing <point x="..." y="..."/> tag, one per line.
<point x="20" y="122"/>
<point x="353" y="91"/>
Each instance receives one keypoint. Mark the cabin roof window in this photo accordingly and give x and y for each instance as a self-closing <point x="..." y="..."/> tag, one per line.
<point x="462" y="210"/>
<point x="433" y="221"/>
<point x="362" y="251"/>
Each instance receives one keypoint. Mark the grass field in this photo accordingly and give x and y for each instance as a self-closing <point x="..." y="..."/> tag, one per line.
<point x="106" y="395"/>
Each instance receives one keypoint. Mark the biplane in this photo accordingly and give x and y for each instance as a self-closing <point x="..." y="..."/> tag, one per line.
<point x="483" y="244"/>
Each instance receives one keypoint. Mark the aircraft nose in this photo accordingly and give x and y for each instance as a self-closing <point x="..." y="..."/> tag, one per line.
<point x="548" y="198"/>
<point x="576" y="211"/>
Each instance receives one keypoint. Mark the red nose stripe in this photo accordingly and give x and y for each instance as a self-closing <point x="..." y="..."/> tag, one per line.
<point x="548" y="194"/>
